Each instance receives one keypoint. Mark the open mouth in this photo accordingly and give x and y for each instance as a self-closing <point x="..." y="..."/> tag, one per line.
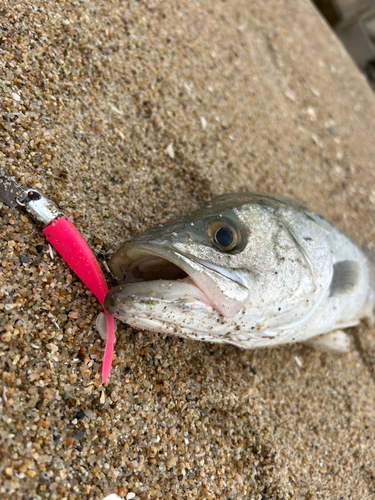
<point x="153" y="276"/>
<point x="153" y="270"/>
<point x="157" y="270"/>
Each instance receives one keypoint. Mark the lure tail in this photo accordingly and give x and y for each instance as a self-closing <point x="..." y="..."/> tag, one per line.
<point x="72" y="247"/>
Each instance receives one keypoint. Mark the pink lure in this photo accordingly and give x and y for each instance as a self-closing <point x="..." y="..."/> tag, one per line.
<point x="72" y="247"/>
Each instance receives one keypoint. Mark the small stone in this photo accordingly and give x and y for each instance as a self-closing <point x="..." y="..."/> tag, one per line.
<point x="6" y="337"/>
<point x="24" y="360"/>
<point x="78" y="435"/>
<point x="238" y="478"/>
<point x="73" y="314"/>
<point x="130" y="495"/>
<point x="170" y="151"/>
<point x="99" y="126"/>
<point x="31" y="473"/>
<point x="39" y="248"/>
<point x="317" y="141"/>
<point x="291" y="95"/>
<point x="122" y="492"/>
<point x="16" y="97"/>
<point x="311" y="112"/>
<point x="9" y="471"/>
<point x="48" y="394"/>
<point x="3" y="448"/>
<point x="68" y="441"/>
<point x="89" y="414"/>
<point x="80" y="415"/>
<point x="61" y="489"/>
<point x="53" y="347"/>
<point x="171" y="462"/>
<point x="24" y="259"/>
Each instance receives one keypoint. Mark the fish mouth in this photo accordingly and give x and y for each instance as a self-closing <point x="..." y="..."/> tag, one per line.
<point x="156" y="271"/>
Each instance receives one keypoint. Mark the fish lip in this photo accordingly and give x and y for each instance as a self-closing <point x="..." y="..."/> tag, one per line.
<point x="163" y="290"/>
<point x="225" y="291"/>
<point x="232" y="275"/>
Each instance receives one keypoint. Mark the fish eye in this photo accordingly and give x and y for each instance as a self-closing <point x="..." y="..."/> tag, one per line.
<point x="223" y="235"/>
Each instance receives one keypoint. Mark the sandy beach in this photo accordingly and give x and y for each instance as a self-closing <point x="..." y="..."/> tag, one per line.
<point x="127" y="114"/>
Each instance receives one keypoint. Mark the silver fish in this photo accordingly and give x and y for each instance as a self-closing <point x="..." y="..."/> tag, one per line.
<point x="248" y="269"/>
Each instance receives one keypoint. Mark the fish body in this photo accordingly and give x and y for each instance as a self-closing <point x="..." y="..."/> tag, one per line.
<point x="248" y="269"/>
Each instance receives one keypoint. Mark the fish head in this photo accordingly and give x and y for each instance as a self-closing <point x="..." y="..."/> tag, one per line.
<point x="208" y="266"/>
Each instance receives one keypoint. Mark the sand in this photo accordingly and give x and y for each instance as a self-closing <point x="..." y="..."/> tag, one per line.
<point x="130" y="113"/>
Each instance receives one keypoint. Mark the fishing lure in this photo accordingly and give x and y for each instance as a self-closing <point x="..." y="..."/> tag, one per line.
<point x="70" y="244"/>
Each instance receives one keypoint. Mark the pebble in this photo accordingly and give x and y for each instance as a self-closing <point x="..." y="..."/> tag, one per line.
<point x="8" y="471"/>
<point x="53" y="347"/>
<point x="170" y="151"/>
<point x="332" y="130"/>
<point x="79" y="435"/>
<point x="6" y="337"/>
<point x="171" y="462"/>
<point x="24" y="259"/>
<point x="48" y="394"/>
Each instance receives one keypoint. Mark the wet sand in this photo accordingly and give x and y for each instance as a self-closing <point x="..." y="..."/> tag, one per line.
<point x="127" y="114"/>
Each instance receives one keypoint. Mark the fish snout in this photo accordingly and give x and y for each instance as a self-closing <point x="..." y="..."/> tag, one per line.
<point x="113" y="298"/>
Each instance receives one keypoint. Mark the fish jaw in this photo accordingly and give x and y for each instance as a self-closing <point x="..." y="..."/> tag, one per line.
<point x="176" y="308"/>
<point x="162" y="305"/>
<point x="225" y="292"/>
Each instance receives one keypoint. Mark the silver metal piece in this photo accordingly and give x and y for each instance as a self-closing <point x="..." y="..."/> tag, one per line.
<point x="10" y="191"/>
<point x="40" y="208"/>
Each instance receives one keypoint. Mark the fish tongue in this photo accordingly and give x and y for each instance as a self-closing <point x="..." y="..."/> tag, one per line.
<point x="149" y="263"/>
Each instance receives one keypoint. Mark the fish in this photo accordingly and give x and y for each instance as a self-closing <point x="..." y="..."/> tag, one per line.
<point x="248" y="269"/>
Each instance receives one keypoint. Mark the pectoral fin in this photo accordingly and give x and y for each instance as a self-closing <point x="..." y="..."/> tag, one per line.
<point x="345" y="277"/>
